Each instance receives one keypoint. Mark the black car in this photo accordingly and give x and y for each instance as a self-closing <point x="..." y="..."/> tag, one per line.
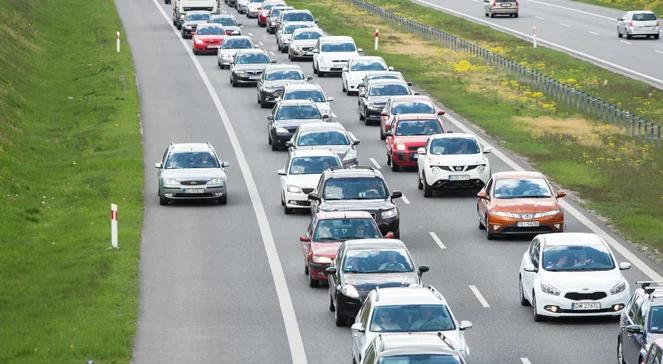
<point x="191" y="21"/>
<point x="287" y="116"/>
<point x="641" y="323"/>
<point x="374" y="98"/>
<point x="358" y="189"/>
<point x="275" y="78"/>
<point x="363" y="265"/>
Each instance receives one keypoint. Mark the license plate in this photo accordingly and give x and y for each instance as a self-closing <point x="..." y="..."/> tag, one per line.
<point x="459" y="177"/>
<point x="506" y="5"/>
<point x="586" y="306"/>
<point x="254" y="77"/>
<point x="212" y="46"/>
<point x="527" y="224"/>
<point x="194" y="190"/>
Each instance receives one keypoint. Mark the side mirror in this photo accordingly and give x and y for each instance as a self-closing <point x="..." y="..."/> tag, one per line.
<point x="482" y="195"/>
<point x="410" y="83"/>
<point x="488" y="149"/>
<point x="423" y="269"/>
<point x="529" y="267"/>
<point x="326" y="117"/>
<point x="633" y="329"/>
<point x="270" y="117"/>
<point x="316" y="51"/>
<point x="356" y="142"/>
<point x="158" y="165"/>
<point x="390" y="68"/>
<point x="624" y="265"/>
<point x="309" y="78"/>
<point x="289" y="144"/>
<point x="389" y="235"/>
<point x="304" y="238"/>
<point x="225" y="164"/>
<point x="330" y="99"/>
<point x="281" y="172"/>
<point x="560" y="194"/>
<point x="273" y="61"/>
<point x="360" y="50"/>
<point x="357" y="327"/>
<point x="239" y="24"/>
<point x="330" y="270"/>
<point x="417" y="93"/>
<point x="313" y="196"/>
<point x="421" y="151"/>
<point x="440" y="112"/>
<point x="397" y="194"/>
<point x="464" y="325"/>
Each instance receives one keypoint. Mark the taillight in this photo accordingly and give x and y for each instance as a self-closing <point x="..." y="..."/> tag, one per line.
<point x="630" y="24"/>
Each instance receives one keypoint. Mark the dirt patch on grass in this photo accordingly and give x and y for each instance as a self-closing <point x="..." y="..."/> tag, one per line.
<point x="584" y="131"/>
<point x="396" y="42"/>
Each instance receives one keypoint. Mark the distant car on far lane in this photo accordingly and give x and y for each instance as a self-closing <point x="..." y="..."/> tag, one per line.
<point x="229" y="23"/>
<point x="500" y="7"/>
<point x="638" y="23"/>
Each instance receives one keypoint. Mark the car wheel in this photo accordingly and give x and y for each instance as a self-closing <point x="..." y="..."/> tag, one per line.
<point x="222" y="200"/>
<point x="275" y="147"/>
<point x="163" y="201"/>
<point x="394" y="166"/>
<point x="383" y="136"/>
<point x="428" y="190"/>
<point x="523" y="300"/>
<point x="420" y="186"/>
<point x="656" y="36"/>
<point x="535" y="314"/>
<point x="628" y="36"/>
<point x="343" y="88"/>
<point x="219" y="64"/>
<point x="263" y="104"/>
<point x="489" y="235"/>
<point x="492" y="15"/>
<point x="388" y="160"/>
<point x="331" y="304"/>
<point x="515" y="15"/>
<point x="313" y="283"/>
<point x="286" y="210"/>
<point x="233" y="81"/>
<point x="361" y="116"/>
<point x="305" y="269"/>
<point x="315" y="69"/>
<point x="338" y="319"/>
<point x="620" y="352"/>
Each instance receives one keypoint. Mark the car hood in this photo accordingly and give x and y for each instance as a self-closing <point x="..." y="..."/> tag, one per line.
<point x="357" y="76"/>
<point x="232" y="28"/>
<point x="294" y="122"/>
<point x="282" y="83"/>
<point x="366" y="282"/>
<point x="356" y="205"/>
<point x="582" y="281"/>
<point x="526" y="205"/>
<point x="377" y="99"/>
<point x="211" y="37"/>
<point x="340" y="150"/>
<point x="250" y="67"/>
<point x="191" y="174"/>
<point x="304" y="42"/>
<point x="194" y="23"/>
<point x="336" y="56"/>
<point x="412" y="140"/>
<point x="456" y="160"/>
<point x="327" y="249"/>
<point x="228" y="51"/>
<point x="303" y="180"/>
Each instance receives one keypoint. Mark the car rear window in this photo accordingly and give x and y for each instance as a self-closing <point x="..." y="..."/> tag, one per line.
<point x="420" y="359"/>
<point x="644" y="17"/>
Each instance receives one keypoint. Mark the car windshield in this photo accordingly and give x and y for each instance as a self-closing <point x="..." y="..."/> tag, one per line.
<point x="256" y="1"/>
<point x="275" y="12"/>
<point x="644" y="17"/>
<point x="571" y="258"/>
<point x="308" y="35"/>
<point x="414" y="107"/>
<point x="338" y="47"/>
<point x="450" y="146"/>
<point x="656" y="319"/>
<point x="312" y="165"/>
<point x="284" y="75"/>
<point x="382" y="77"/>
<point x="366" y="261"/>
<point x="253" y="58"/>
<point x="291" y="28"/>
<point x="360" y="188"/>
<point x="522" y="188"/>
<point x="224" y="21"/>
<point x="418" y="127"/>
<point x="411" y="318"/>
<point x="297" y="17"/>
<point x="181" y="160"/>
<point x="268" y="6"/>
<point x="289" y="112"/>
<point x="197" y="17"/>
<point x="209" y="31"/>
<point x="393" y="89"/>
<point x="345" y="229"/>
<point x="313" y="95"/>
<point x="368" y="65"/>
<point x="420" y="359"/>
<point x="331" y="137"/>
<point x="237" y="43"/>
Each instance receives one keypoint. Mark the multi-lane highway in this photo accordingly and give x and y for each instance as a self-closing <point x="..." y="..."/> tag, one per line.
<point x="225" y="283"/>
<point x="583" y="30"/>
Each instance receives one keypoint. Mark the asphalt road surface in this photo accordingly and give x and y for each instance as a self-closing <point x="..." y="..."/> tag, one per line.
<point x="225" y="284"/>
<point x="583" y="30"/>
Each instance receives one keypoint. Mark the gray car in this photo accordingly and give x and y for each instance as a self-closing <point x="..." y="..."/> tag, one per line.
<point x="500" y="7"/>
<point x="373" y="99"/>
<point x="190" y="171"/>
<point x="274" y="79"/>
<point x="229" y="23"/>
<point x="248" y="65"/>
<point x="302" y="42"/>
<point x="312" y="92"/>
<point x="638" y="23"/>
<point x="273" y="17"/>
<point x="191" y="21"/>
<point x="331" y="136"/>
<point x="284" y="34"/>
<point x="230" y="47"/>
<point x="286" y="117"/>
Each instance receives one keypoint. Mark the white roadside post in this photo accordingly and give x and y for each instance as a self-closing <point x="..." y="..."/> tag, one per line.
<point x="113" y="226"/>
<point x="534" y="35"/>
<point x="117" y="41"/>
<point x="377" y="38"/>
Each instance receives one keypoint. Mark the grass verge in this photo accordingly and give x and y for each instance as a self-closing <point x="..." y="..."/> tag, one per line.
<point x="616" y="176"/>
<point x="655" y="6"/>
<point x="69" y="146"/>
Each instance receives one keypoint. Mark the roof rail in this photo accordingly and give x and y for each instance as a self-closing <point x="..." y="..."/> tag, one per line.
<point x="361" y="167"/>
<point x="445" y="340"/>
<point x="650" y="286"/>
<point x="377" y="293"/>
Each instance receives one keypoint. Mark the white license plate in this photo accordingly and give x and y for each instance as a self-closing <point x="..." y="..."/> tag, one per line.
<point x="506" y="5"/>
<point x="586" y="306"/>
<point x="527" y="224"/>
<point x="212" y="46"/>
<point x="194" y="190"/>
<point x="254" y="77"/>
<point x="459" y="177"/>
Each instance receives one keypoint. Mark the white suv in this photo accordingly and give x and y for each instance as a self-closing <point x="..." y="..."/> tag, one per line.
<point x="452" y="160"/>
<point x="354" y="73"/>
<point x="332" y="53"/>
<point x="414" y="310"/>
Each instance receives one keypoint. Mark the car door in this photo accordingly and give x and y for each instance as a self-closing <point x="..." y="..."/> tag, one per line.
<point x="482" y="203"/>
<point x="631" y="341"/>
<point x="533" y="257"/>
<point x="334" y="279"/>
<point x="359" y="338"/>
<point x="306" y="245"/>
<point x="369" y="357"/>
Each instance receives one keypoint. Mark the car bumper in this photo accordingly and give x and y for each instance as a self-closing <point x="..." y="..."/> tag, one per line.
<point x="182" y="193"/>
<point x="301" y="53"/>
<point x="187" y="32"/>
<point x="404" y="158"/>
<point x="205" y="49"/>
<point x="636" y="31"/>
<point x="471" y="179"/>
<point x="504" y="10"/>
<point x="296" y="200"/>
<point x="347" y="307"/>
<point x="508" y="226"/>
<point x="374" y="114"/>
<point x="317" y="270"/>
<point x="247" y="79"/>
<point x="280" y="139"/>
<point x="612" y="305"/>
<point x="332" y="68"/>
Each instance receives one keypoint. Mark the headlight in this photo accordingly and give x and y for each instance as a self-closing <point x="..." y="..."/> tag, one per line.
<point x="215" y="181"/>
<point x="268" y="89"/>
<point x="548" y="213"/>
<point x="350" y="291"/>
<point x="240" y="72"/>
<point x="389" y="213"/>
<point x="504" y="214"/>
<point x="400" y="147"/>
<point x="294" y="189"/>
<point x="436" y="170"/>
<point x="481" y="169"/>
<point x="199" y="41"/>
<point x="619" y="288"/>
<point x="281" y="131"/>
<point x="549" y="289"/>
<point x="321" y="260"/>
<point x="295" y="47"/>
<point x="187" y="26"/>
<point x="171" y="182"/>
<point x="375" y="106"/>
<point x="351" y="154"/>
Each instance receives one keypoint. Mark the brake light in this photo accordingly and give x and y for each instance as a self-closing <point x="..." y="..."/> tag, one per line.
<point x="630" y="24"/>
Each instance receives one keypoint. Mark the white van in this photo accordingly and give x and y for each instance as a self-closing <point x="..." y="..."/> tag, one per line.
<point x="180" y="7"/>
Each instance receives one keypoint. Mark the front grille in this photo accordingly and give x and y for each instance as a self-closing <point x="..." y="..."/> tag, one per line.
<point x="291" y="130"/>
<point x="413" y="149"/>
<point x="339" y="61"/>
<point x="192" y="183"/>
<point x="207" y="194"/>
<point x="527" y="230"/>
<point x="577" y="296"/>
<point x="307" y="190"/>
<point x="253" y="72"/>
<point x="307" y="49"/>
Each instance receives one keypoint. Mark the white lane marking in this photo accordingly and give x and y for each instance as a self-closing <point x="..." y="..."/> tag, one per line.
<point x="565" y="25"/>
<point x="616" y="245"/>
<point x="594" y="33"/>
<point x="479" y="296"/>
<point x="250" y="34"/>
<point x="437" y="241"/>
<point x="272" y="54"/>
<point x="528" y="37"/>
<point x="375" y="163"/>
<point x="405" y="200"/>
<point x="539" y="17"/>
<point x="572" y="9"/>
<point x="280" y="284"/>
<point x="626" y="42"/>
<point x="525" y="361"/>
<point x="261" y="43"/>
<point x="659" y="52"/>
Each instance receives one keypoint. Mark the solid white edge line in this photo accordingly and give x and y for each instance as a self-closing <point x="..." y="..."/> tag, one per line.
<point x="375" y="163"/>
<point x="525" y="361"/>
<point x="528" y="37"/>
<point x="616" y="245"/>
<point x="405" y="200"/>
<point x="437" y="240"/>
<point x="295" y="342"/>
<point x="575" y="10"/>
<point x="479" y="296"/>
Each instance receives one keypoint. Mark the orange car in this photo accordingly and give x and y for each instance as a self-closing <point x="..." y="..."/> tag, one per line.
<point x="514" y="203"/>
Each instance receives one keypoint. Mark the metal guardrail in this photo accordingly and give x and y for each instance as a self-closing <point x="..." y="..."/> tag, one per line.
<point x="639" y="128"/>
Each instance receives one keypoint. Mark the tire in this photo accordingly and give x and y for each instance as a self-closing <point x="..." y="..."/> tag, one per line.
<point x="388" y="160"/>
<point x="395" y="167"/>
<point x="515" y="15"/>
<point x="628" y="36"/>
<point x="523" y="300"/>
<point x="383" y="136"/>
<point x="305" y="269"/>
<point x="656" y="36"/>
<point x="492" y="15"/>
<point x="233" y="81"/>
<point x="619" y="34"/>
<point x="420" y="186"/>
<point x="275" y="147"/>
<point x="428" y="190"/>
<point x="219" y="64"/>
<point x="535" y="315"/>
<point x="315" y="69"/>
<point x="163" y="201"/>
<point x="338" y="320"/>
<point x="313" y="283"/>
<point x="286" y="210"/>
<point x="620" y="353"/>
<point x="222" y="200"/>
<point x="331" y="304"/>
<point x="361" y="117"/>
<point x="343" y="88"/>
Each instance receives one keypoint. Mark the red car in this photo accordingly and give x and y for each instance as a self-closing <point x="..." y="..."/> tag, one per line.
<point x="208" y="38"/>
<point x="409" y="132"/>
<point x="325" y="234"/>
<point x="264" y="13"/>
<point x="410" y="104"/>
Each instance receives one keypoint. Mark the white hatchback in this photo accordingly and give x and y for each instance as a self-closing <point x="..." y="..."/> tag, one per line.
<point x="357" y="69"/>
<point x="638" y="23"/>
<point x="332" y="53"/>
<point x="572" y="274"/>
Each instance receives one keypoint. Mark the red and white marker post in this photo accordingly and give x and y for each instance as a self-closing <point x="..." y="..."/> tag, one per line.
<point x="114" y="226"/>
<point x="117" y="41"/>
<point x="377" y="38"/>
<point x="534" y="36"/>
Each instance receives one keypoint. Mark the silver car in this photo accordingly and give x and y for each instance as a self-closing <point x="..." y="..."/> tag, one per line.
<point x="253" y="8"/>
<point x="309" y="91"/>
<point x="242" y="6"/>
<point x="284" y="33"/>
<point x="191" y="171"/>
<point x="275" y="78"/>
<point x="248" y="65"/>
<point x="327" y="136"/>
<point x="638" y="23"/>
<point x="230" y="47"/>
<point x="302" y="43"/>
<point x="500" y="7"/>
